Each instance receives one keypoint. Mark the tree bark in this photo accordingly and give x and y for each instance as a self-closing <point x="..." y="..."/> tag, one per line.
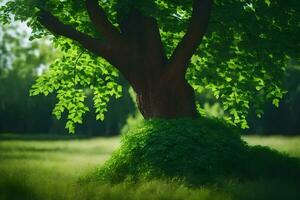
<point x="160" y="93"/>
<point x="166" y="98"/>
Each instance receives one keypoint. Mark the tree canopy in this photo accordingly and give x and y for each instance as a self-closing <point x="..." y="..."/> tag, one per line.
<point x="241" y="59"/>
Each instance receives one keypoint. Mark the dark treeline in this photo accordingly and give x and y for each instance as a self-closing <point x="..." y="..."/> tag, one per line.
<point x="20" y="113"/>
<point x="286" y="118"/>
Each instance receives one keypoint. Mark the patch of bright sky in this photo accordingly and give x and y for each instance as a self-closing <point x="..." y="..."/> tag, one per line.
<point x="21" y="29"/>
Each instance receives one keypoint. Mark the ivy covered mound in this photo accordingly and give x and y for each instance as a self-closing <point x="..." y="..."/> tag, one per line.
<point x="193" y="151"/>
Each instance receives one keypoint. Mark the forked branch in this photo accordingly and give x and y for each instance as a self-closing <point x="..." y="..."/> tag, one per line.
<point x="103" y="25"/>
<point x="54" y="25"/>
<point x="194" y="34"/>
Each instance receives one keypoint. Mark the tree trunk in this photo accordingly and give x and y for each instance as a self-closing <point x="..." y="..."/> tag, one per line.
<point x="167" y="98"/>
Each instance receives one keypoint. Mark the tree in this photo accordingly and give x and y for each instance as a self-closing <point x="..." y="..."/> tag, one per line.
<point x="236" y="48"/>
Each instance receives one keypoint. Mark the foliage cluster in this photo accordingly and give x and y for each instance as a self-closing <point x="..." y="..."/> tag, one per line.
<point x="193" y="151"/>
<point x="284" y="119"/>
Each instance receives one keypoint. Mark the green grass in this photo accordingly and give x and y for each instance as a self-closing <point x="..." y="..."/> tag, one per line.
<point x="46" y="168"/>
<point x="289" y="145"/>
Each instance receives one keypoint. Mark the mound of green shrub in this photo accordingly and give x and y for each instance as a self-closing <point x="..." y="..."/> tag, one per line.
<point x="193" y="151"/>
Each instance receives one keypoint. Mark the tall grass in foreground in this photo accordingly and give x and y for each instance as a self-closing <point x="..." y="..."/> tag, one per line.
<point x="49" y="169"/>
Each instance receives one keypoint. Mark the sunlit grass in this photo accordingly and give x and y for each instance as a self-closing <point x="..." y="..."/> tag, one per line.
<point x="69" y="157"/>
<point x="289" y="145"/>
<point x="49" y="169"/>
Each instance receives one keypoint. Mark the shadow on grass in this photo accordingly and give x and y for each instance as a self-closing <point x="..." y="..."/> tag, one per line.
<point x="14" y="189"/>
<point x="44" y="137"/>
<point x="265" y="163"/>
<point x="32" y="149"/>
<point x="264" y="190"/>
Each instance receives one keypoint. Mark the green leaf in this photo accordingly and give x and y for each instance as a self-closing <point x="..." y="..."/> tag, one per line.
<point x="276" y="102"/>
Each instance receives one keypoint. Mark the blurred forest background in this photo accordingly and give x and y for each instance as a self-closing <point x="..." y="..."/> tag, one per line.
<point x="22" y="61"/>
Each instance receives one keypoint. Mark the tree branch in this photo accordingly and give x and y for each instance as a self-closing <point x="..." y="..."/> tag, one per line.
<point x="195" y="32"/>
<point x="143" y="32"/>
<point x="153" y="42"/>
<point x="103" y="25"/>
<point x="96" y="46"/>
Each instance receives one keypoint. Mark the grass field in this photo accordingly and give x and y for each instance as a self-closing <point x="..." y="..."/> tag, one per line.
<point x="48" y="168"/>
